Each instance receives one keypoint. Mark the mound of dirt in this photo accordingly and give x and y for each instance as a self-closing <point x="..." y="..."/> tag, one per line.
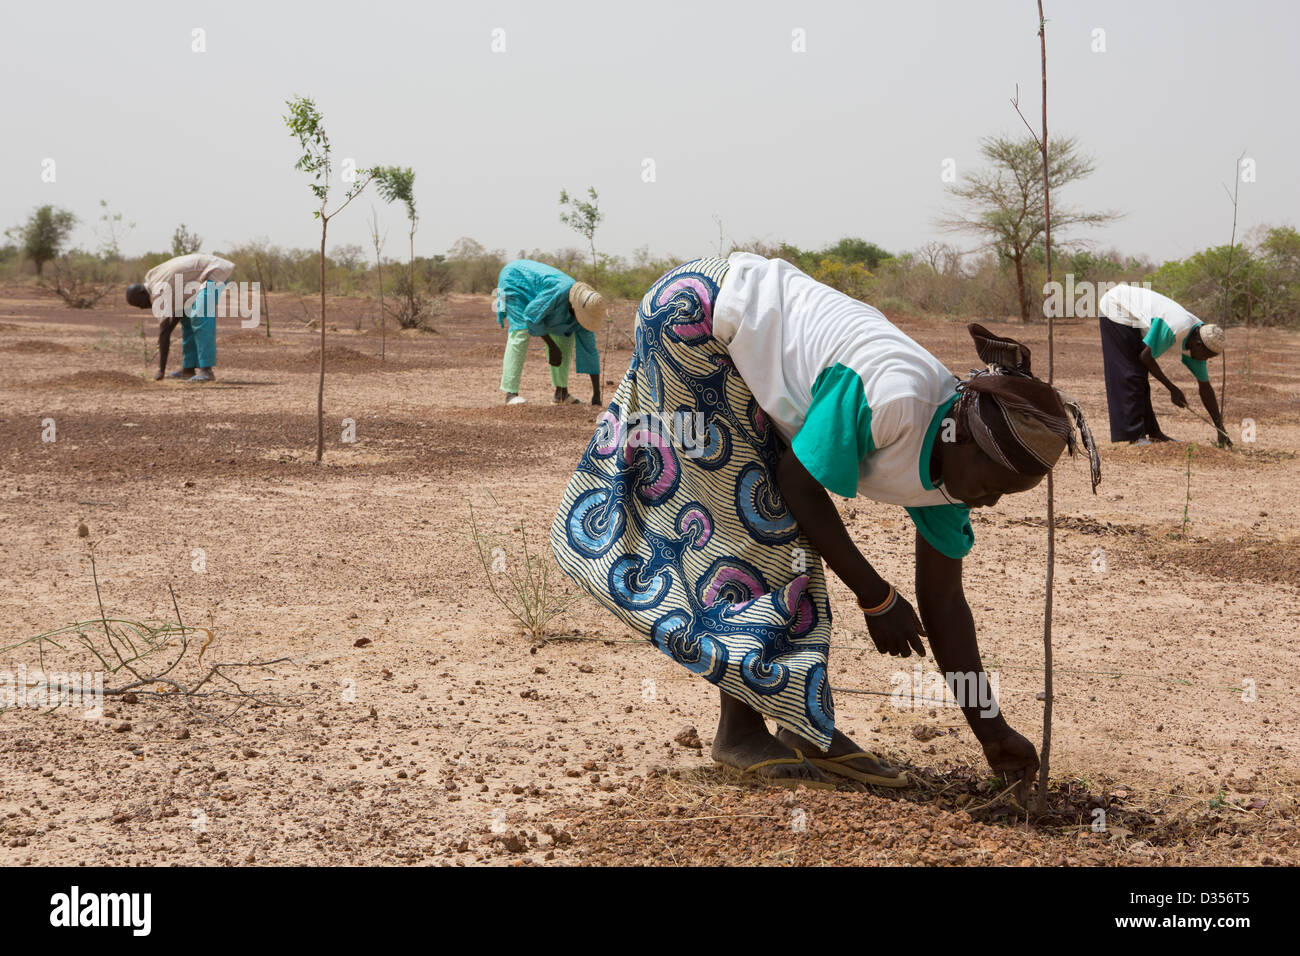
<point x="678" y="819"/>
<point x="1269" y="456"/>
<point x="1084" y="524"/>
<point x="1251" y="558"/>
<point x="344" y="358"/>
<point x="248" y="337"/>
<point x="1257" y="389"/>
<point x="1205" y="455"/>
<point x="1261" y="402"/>
<point x="97" y="379"/>
<point x="36" y="347"/>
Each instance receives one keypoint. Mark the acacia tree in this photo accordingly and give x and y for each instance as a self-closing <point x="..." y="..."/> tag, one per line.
<point x="308" y="126"/>
<point x="1005" y="203"/>
<point x="42" y="236"/>
<point x="396" y="182"/>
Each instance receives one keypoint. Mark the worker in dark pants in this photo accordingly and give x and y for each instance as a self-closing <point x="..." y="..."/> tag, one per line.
<point x="1137" y="327"/>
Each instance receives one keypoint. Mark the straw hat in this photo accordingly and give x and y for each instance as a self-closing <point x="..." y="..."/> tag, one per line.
<point x="588" y="306"/>
<point x="1213" y="338"/>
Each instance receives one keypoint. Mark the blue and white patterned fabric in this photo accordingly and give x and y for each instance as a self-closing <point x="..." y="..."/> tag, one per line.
<point x="673" y="520"/>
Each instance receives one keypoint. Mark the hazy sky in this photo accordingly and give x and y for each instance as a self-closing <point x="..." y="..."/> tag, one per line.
<point x="847" y="138"/>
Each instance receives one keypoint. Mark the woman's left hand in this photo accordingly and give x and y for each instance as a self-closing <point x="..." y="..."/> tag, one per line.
<point x="898" y="631"/>
<point x="553" y="354"/>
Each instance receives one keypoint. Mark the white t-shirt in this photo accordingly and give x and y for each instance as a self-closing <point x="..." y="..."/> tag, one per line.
<point x="196" y="267"/>
<point x="859" y="401"/>
<point x="1162" y="321"/>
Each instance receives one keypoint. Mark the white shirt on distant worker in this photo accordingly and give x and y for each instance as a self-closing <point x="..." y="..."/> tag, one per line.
<point x="1162" y="322"/>
<point x="197" y="267"/>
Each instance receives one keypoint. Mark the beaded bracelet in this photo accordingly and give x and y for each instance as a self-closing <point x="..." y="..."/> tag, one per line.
<point x="882" y="607"/>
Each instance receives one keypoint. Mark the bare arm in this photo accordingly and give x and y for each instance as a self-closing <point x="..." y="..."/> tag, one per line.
<point x="896" y="630"/>
<point x="1211" y="403"/>
<point x="951" y="629"/>
<point x="552" y="351"/>
<point x="1149" y="362"/>
<point x="820" y="520"/>
<point x="165" y="328"/>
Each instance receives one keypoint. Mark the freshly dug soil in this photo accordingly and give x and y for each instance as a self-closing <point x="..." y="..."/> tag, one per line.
<point x="36" y="347"/>
<point x="249" y="337"/>
<point x="689" y="819"/>
<point x="342" y="358"/>
<point x="98" y="379"/>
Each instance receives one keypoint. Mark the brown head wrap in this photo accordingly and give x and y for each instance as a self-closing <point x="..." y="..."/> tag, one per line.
<point x="1020" y="421"/>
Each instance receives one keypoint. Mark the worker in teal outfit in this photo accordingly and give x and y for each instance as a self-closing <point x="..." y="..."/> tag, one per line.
<point x="185" y="291"/>
<point x="199" y="346"/>
<point x="540" y="300"/>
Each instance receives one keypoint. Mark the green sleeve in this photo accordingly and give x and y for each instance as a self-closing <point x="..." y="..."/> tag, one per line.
<point x="1197" y="367"/>
<point x="1159" y="337"/>
<point x="946" y="528"/>
<point x="836" y="433"/>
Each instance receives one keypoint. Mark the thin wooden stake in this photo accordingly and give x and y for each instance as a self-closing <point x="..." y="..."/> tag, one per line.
<point x="1227" y="288"/>
<point x="1046" y="751"/>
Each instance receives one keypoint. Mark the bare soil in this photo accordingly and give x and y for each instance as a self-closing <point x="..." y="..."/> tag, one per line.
<point x="415" y="723"/>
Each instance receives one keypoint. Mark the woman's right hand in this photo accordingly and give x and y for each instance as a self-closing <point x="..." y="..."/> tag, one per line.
<point x="1014" y="757"/>
<point x="898" y="631"/>
<point x="1177" y="397"/>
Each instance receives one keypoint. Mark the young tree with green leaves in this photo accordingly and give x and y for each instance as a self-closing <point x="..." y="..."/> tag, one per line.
<point x="397" y="182"/>
<point x="1004" y="203"/>
<point x="378" y="240"/>
<point x="308" y="127"/>
<point x="42" y="236"/>
<point x="583" y="217"/>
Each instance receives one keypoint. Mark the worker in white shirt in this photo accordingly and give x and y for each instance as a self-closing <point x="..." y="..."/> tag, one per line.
<point x="185" y="291"/>
<point x="1137" y="327"/>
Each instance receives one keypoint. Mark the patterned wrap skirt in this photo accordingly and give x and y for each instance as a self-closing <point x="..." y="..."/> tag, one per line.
<point x="674" y="522"/>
